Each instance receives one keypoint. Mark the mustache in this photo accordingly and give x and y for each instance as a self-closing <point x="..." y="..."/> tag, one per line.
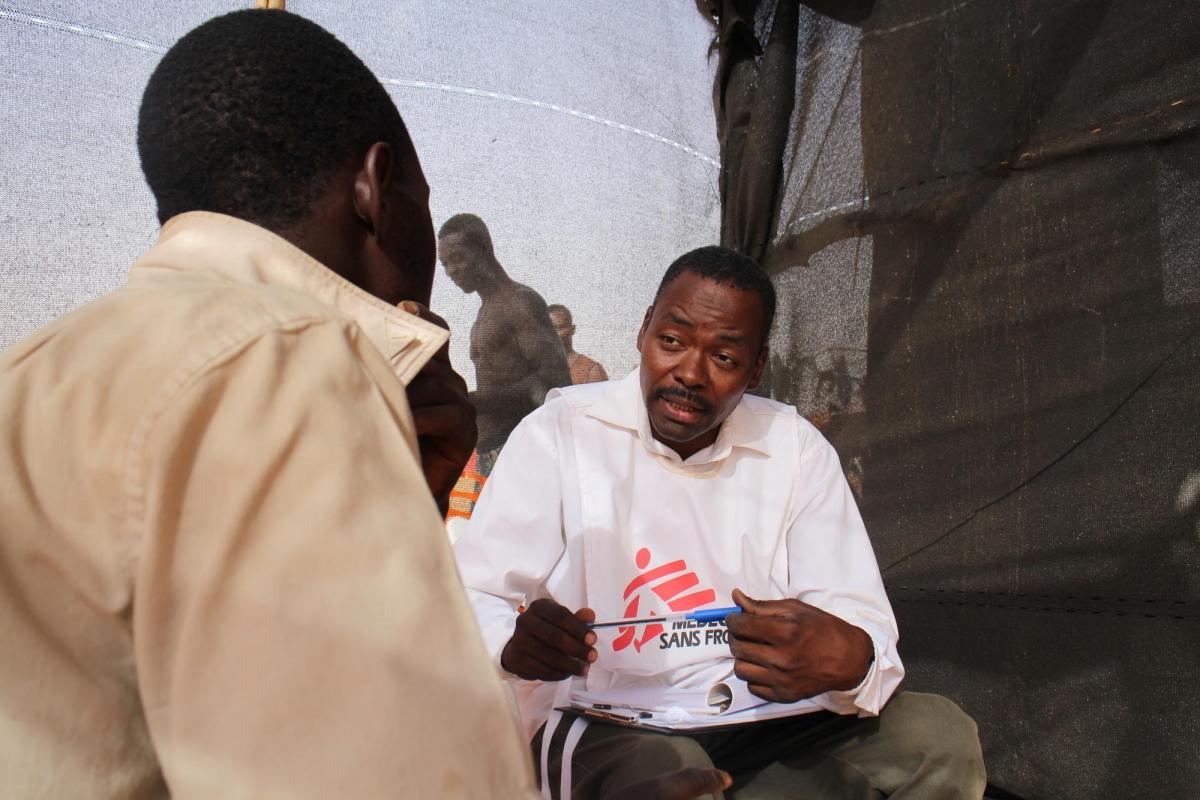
<point x="683" y="395"/>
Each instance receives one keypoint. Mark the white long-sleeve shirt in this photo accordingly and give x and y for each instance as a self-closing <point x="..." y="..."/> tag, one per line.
<point x="586" y="508"/>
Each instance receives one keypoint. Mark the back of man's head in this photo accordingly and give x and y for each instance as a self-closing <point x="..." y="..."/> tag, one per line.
<point x="471" y="229"/>
<point x="252" y="113"/>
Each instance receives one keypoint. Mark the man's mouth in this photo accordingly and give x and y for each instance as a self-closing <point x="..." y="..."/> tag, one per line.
<point x="680" y="409"/>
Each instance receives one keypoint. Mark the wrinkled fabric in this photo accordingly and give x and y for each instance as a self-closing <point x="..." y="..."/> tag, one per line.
<point x="221" y="571"/>
<point x="752" y="98"/>
<point x="585" y="507"/>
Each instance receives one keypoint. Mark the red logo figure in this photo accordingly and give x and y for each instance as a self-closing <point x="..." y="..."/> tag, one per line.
<point x="669" y="582"/>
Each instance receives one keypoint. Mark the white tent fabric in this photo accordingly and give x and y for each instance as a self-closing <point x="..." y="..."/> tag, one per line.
<point x="582" y="133"/>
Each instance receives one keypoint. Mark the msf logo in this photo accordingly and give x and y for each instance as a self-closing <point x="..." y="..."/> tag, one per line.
<point x="672" y="583"/>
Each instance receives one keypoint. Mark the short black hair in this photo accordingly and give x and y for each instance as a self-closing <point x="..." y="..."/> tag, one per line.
<point x="472" y="230"/>
<point x="728" y="268"/>
<point x="553" y="307"/>
<point x="252" y="113"/>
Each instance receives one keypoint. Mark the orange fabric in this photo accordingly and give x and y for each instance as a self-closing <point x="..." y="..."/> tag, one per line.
<point x="466" y="490"/>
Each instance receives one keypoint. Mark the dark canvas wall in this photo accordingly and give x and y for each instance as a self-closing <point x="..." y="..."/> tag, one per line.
<point x="986" y="238"/>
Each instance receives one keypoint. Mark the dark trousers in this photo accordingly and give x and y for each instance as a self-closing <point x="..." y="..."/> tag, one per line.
<point x="920" y="746"/>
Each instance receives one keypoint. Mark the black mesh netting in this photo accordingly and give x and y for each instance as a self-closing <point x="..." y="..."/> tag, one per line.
<point x="982" y="221"/>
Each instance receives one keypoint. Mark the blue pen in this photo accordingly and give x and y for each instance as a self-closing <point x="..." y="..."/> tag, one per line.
<point x="703" y="615"/>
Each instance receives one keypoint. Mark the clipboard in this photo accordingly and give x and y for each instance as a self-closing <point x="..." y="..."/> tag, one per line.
<point x="646" y="720"/>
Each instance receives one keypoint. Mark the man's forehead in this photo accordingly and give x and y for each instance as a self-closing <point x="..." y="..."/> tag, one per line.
<point x="690" y="296"/>
<point x="452" y="243"/>
<point x="463" y="243"/>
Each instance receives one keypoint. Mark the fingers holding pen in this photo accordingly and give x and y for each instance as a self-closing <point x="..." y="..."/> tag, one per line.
<point x="788" y="649"/>
<point x="550" y="642"/>
<point x="558" y="629"/>
<point x="532" y="662"/>
<point x="760" y="620"/>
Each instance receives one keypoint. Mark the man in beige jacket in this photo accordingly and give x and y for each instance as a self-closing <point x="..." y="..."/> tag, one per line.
<point x="222" y="570"/>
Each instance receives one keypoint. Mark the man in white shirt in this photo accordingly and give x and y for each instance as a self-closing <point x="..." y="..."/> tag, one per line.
<point x="673" y="491"/>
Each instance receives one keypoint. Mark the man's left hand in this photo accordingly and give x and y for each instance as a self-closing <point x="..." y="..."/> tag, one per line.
<point x="443" y="416"/>
<point x="787" y="650"/>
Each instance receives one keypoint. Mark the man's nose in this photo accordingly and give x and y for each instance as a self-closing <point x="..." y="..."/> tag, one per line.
<point x="689" y="370"/>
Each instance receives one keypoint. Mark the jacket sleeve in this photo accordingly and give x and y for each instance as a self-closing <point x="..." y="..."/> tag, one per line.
<point x="299" y="629"/>
<point x="831" y="565"/>
<point x="519" y="511"/>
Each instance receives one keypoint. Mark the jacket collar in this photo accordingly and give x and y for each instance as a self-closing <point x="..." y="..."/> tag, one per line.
<point x="245" y="252"/>
<point x="623" y="406"/>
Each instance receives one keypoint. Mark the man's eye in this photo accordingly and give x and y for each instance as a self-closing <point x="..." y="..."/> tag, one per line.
<point x="726" y="359"/>
<point x="670" y="340"/>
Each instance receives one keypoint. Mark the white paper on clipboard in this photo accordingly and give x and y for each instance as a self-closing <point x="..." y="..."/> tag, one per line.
<point x="681" y="710"/>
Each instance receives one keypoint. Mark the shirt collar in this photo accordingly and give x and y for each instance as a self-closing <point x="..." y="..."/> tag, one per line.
<point x="245" y="252"/>
<point x="622" y="405"/>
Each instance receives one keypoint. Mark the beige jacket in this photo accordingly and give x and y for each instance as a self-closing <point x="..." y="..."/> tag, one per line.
<point x="221" y="572"/>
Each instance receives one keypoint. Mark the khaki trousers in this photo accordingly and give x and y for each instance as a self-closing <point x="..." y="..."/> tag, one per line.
<point x="921" y="746"/>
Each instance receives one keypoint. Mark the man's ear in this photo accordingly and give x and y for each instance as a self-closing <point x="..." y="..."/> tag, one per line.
<point x="371" y="186"/>
<point x="760" y="364"/>
<point x="645" y="325"/>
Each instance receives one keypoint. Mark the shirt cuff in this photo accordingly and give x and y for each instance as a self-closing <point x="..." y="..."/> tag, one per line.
<point x="869" y="696"/>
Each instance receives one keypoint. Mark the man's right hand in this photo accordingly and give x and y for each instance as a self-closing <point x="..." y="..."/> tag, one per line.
<point x="550" y="643"/>
<point x="443" y="416"/>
